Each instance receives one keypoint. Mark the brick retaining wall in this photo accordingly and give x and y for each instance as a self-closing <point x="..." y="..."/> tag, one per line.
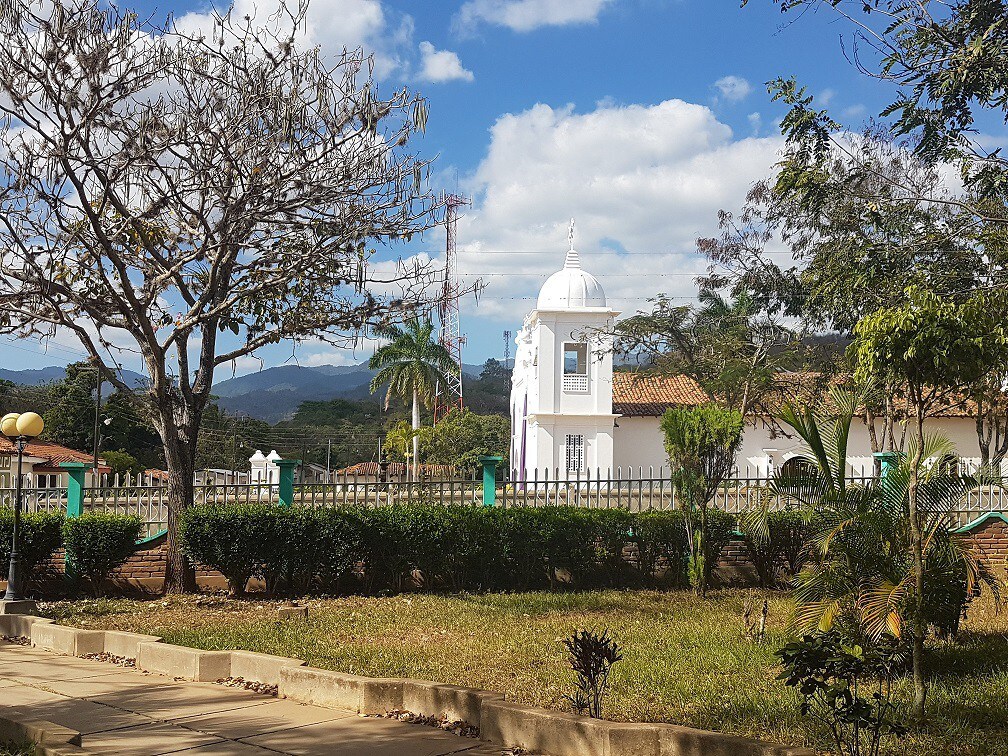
<point x="990" y="536"/>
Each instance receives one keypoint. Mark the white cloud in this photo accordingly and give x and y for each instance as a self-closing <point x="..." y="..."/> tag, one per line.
<point x="733" y="88"/>
<point x="854" y="111"/>
<point x="438" y="66"/>
<point x="331" y="24"/>
<point x="756" y="121"/>
<point x="526" y="15"/>
<point x="642" y="181"/>
<point x="826" y="97"/>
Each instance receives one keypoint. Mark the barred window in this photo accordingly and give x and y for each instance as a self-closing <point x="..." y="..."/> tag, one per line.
<point x="575" y="453"/>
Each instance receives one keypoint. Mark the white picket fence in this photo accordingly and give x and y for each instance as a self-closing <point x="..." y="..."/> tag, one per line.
<point x="635" y="490"/>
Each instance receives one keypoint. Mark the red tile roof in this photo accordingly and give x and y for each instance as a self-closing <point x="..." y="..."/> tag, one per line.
<point x="54" y="454"/>
<point x="649" y="395"/>
<point x="397" y="470"/>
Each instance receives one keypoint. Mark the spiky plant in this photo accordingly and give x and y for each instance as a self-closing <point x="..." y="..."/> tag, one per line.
<point x="862" y="579"/>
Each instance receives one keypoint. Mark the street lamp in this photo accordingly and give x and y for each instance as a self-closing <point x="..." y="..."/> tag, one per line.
<point x="19" y="429"/>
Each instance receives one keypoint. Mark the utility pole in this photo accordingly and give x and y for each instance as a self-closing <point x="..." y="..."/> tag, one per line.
<point x="97" y="418"/>
<point x="328" y="457"/>
<point x="507" y="348"/>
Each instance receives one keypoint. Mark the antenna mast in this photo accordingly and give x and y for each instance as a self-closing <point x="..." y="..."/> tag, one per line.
<point x="450" y="395"/>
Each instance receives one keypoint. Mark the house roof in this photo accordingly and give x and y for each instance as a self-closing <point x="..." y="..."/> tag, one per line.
<point x="397" y="469"/>
<point x="649" y="395"/>
<point x="53" y="454"/>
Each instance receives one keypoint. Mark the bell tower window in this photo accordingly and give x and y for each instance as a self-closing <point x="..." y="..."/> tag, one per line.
<point x="575" y="367"/>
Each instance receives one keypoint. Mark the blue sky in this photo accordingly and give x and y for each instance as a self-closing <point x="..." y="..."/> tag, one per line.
<point x="640" y="118"/>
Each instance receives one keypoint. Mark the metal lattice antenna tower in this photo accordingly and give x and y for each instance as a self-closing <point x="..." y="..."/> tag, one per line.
<point x="507" y="349"/>
<point x="448" y="312"/>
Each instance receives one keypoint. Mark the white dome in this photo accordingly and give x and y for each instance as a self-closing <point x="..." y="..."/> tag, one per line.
<point x="571" y="288"/>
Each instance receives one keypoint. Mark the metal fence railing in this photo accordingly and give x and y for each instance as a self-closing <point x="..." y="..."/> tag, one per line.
<point x="635" y="490"/>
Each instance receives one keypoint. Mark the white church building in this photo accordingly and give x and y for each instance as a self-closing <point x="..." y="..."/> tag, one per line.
<point x="572" y="416"/>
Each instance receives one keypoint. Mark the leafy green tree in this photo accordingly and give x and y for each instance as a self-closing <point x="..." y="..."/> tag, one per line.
<point x="122" y="463"/>
<point x="734" y="351"/>
<point x="462" y="437"/>
<point x="859" y="234"/>
<point x="937" y="348"/>
<point x="335" y="412"/>
<point x="412" y="365"/>
<point x="69" y="420"/>
<point x="129" y="431"/>
<point x="948" y="62"/>
<point x="701" y="443"/>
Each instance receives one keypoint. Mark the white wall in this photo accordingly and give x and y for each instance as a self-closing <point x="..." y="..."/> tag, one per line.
<point x="638" y="442"/>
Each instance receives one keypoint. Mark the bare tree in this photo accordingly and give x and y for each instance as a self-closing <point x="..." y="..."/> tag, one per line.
<point x="185" y="199"/>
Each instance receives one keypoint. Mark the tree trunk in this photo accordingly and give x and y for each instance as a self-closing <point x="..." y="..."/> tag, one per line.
<point x="917" y="555"/>
<point x="180" y="459"/>
<point x="416" y="438"/>
<point x="703" y="552"/>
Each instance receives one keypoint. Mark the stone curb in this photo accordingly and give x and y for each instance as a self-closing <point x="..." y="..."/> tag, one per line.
<point x="17" y="726"/>
<point x="500" y="722"/>
<point x="126" y="645"/>
<point x="262" y="668"/>
<point x="186" y="663"/>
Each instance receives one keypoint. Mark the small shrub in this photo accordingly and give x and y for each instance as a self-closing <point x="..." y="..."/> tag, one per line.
<point x="661" y="537"/>
<point x="783" y="545"/>
<point x="610" y="532"/>
<point x="721" y="530"/>
<point x="230" y="539"/>
<point x="591" y="656"/>
<point x="382" y="547"/>
<point x="473" y="558"/>
<point x="340" y="548"/>
<point x="568" y="544"/>
<point x="846" y="687"/>
<point x="41" y="535"/>
<point x="98" y="542"/>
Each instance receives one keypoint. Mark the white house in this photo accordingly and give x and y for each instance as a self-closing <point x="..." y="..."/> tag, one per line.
<point x="571" y="415"/>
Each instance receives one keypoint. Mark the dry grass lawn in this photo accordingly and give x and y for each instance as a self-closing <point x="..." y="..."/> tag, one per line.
<point x="685" y="660"/>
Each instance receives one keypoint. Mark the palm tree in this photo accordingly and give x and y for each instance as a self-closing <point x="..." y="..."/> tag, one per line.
<point x="413" y="364"/>
<point x="861" y="578"/>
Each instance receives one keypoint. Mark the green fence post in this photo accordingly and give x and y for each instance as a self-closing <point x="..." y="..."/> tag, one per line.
<point x="75" y="487"/>
<point x="76" y="472"/>
<point x="286" y="492"/>
<point x="887" y="461"/>
<point x="490" y="479"/>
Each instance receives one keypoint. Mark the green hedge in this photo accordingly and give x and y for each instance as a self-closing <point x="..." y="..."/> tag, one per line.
<point x="780" y="554"/>
<point x="457" y="547"/>
<point x="41" y="535"/>
<point x="98" y="542"/>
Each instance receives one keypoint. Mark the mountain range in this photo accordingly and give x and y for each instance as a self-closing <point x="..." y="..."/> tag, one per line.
<point x="272" y="394"/>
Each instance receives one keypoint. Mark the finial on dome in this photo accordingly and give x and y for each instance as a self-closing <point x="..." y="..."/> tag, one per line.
<point x="572" y="261"/>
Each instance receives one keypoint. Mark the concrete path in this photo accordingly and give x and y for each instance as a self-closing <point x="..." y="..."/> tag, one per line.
<point x="129" y="713"/>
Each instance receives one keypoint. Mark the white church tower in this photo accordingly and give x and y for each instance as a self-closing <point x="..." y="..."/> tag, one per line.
<point x="561" y="387"/>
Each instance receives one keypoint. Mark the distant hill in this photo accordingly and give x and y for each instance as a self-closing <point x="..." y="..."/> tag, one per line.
<point x="272" y="394"/>
<point x="33" y="377"/>
<point x="40" y="376"/>
<point x="275" y="393"/>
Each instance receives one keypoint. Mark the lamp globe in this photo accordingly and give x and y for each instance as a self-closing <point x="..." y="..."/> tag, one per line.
<point x="8" y="424"/>
<point x="29" y="424"/>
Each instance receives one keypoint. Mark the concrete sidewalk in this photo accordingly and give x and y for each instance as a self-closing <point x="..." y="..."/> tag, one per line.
<point x="129" y="713"/>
